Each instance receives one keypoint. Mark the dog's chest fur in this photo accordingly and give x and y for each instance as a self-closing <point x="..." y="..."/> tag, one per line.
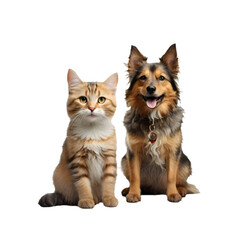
<point x="165" y="127"/>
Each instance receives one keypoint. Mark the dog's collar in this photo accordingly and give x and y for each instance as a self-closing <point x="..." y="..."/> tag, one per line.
<point x="152" y="136"/>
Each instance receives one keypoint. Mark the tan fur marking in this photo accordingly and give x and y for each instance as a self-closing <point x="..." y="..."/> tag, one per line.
<point x="159" y="72"/>
<point x="145" y="72"/>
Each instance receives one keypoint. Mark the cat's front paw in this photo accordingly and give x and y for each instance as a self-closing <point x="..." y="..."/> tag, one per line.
<point x="110" y="201"/>
<point x="86" y="203"/>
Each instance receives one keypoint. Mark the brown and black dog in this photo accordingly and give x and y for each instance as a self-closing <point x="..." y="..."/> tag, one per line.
<point x="154" y="162"/>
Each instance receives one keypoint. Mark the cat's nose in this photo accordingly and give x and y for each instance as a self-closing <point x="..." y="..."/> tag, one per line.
<point x="91" y="109"/>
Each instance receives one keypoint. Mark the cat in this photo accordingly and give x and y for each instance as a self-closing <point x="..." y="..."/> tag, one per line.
<point x="86" y="173"/>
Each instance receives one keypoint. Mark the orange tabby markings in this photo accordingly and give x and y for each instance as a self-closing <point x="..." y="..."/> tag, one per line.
<point x="86" y="173"/>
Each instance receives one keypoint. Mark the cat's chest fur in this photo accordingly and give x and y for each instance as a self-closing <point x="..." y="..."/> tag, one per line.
<point x="93" y="153"/>
<point x="92" y="131"/>
<point x="95" y="162"/>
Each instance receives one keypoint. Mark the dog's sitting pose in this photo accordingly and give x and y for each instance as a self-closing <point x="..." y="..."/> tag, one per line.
<point x="154" y="162"/>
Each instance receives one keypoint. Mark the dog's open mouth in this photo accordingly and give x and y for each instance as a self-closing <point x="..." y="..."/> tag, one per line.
<point x="152" y="101"/>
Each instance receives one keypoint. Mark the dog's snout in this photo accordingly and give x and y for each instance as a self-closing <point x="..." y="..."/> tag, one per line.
<point x="151" y="89"/>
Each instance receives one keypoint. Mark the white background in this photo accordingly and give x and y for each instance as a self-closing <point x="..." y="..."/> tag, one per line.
<point x="40" y="40"/>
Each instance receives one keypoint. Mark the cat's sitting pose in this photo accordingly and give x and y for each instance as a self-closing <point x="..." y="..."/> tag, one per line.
<point x="86" y="173"/>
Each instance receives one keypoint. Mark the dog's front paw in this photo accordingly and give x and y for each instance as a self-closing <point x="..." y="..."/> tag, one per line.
<point x="86" y="203"/>
<point x="110" y="201"/>
<point x="174" y="197"/>
<point x="133" y="197"/>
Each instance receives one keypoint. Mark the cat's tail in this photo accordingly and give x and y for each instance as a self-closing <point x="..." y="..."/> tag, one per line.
<point x="51" y="199"/>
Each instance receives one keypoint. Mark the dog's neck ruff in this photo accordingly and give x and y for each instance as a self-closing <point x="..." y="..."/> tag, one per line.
<point x="140" y="125"/>
<point x="147" y="126"/>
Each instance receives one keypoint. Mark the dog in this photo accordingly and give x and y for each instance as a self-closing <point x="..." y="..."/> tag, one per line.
<point x="154" y="162"/>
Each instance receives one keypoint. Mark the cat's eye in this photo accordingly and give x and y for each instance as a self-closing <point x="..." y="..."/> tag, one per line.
<point x="83" y="99"/>
<point x="143" y="77"/>
<point x="101" y="100"/>
<point x="161" y="78"/>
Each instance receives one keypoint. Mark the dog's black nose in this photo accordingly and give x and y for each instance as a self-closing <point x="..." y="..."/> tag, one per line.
<point x="151" y="89"/>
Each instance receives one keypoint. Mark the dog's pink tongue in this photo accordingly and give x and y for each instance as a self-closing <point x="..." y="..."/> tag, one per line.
<point x="151" y="103"/>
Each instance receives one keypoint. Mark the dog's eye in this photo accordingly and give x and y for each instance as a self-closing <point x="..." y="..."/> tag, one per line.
<point x="161" y="78"/>
<point x="143" y="77"/>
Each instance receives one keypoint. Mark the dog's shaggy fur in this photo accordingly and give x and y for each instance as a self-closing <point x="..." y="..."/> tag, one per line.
<point x="158" y="165"/>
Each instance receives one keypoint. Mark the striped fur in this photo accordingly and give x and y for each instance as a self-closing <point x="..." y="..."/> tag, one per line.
<point x="86" y="173"/>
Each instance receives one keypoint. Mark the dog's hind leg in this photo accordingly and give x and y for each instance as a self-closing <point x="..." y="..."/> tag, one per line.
<point x="184" y="171"/>
<point x="125" y="170"/>
<point x="125" y="191"/>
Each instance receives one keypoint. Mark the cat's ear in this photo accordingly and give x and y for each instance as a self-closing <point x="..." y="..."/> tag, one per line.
<point x="111" y="82"/>
<point x="73" y="79"/>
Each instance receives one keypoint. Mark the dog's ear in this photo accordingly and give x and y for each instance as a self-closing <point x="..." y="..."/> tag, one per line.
<point x="136" y="59"/>
<point x="170" y="59"/>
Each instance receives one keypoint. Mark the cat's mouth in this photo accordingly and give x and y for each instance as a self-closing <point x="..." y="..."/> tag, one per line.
<point x="93" y="115"/>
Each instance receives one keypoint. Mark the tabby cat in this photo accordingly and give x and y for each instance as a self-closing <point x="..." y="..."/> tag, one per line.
<point x="86" y="173"/>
